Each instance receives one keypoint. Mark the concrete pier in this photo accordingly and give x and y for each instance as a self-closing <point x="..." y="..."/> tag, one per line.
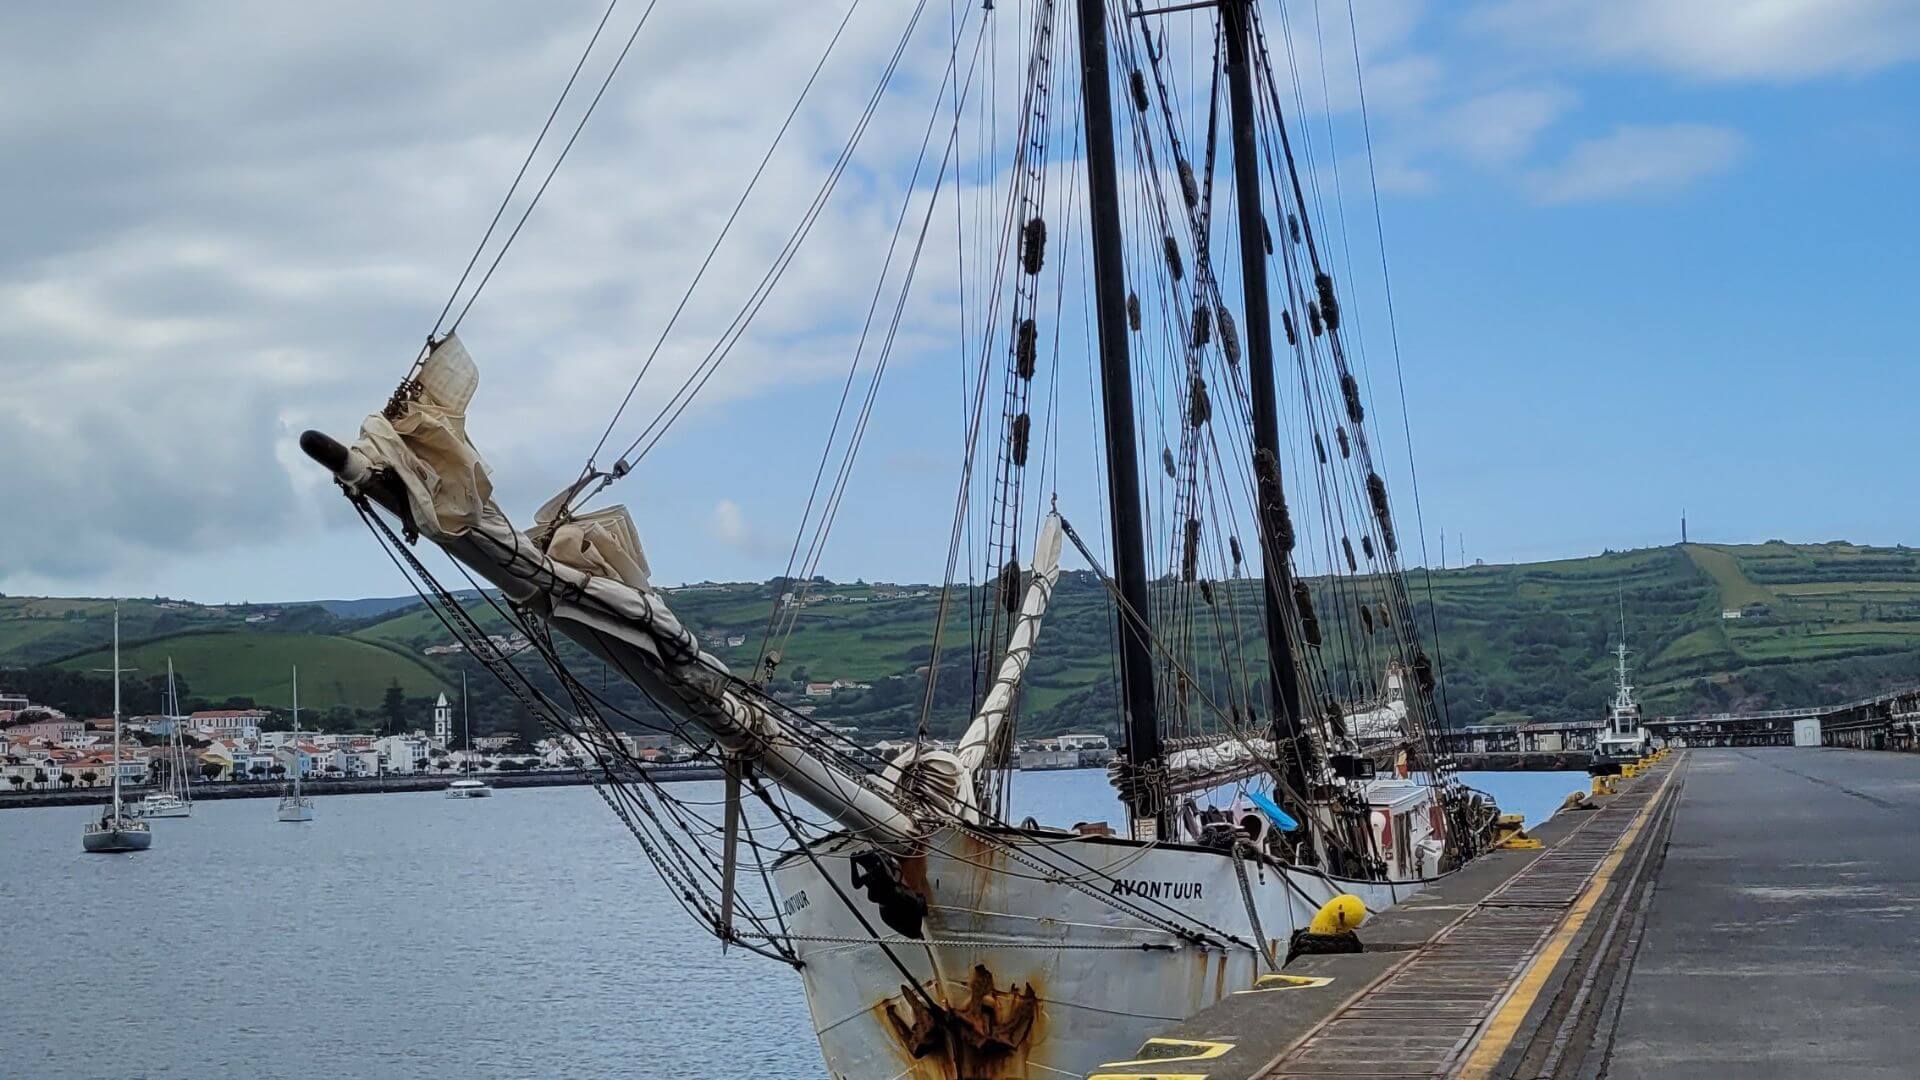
<point x="1784" y="933"/>
<point x="1728" y="913"/>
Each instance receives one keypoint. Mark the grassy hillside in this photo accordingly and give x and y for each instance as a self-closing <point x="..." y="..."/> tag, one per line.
<point x="1817" y="623"/>
<point x="334" y="670"/>
<point x="37" y="630"/>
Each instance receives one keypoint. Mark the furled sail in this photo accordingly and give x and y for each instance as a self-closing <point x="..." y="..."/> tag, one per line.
<point x="1383" y="720"/>
<point x="955" y="775"/>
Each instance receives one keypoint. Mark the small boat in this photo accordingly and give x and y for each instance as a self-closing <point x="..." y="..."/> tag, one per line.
<point x="294" y="806"/>
<point x="116" y="831"/>
<point x="1625" y="738"/>
<point x="176" y="799"/>
<point x="162" y="804"/>
<point x="467" y="787"/>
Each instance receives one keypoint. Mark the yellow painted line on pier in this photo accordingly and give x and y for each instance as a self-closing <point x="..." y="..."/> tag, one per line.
<point x="1499" y="1033"/>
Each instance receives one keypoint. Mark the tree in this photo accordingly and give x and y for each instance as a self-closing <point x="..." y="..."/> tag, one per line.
<point x="393" y="705"/>
<point x="90" y="777"/>
<point x="258" y="770"/>
<point x="67" y="779"/>
<point x="17" y="781"/>
<point x="278" y="770"/>
<point x="211" y="770"/>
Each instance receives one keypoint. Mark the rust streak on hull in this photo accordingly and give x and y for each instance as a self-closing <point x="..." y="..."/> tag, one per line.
<point x="986" y="1037"/>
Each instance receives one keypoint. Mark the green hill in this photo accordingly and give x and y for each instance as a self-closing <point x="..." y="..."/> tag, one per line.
<point x="1815" y="623"/>
<point x="334" y="670"/>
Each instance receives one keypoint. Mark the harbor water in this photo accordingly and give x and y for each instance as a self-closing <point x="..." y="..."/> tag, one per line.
<point x="409" y="936"/>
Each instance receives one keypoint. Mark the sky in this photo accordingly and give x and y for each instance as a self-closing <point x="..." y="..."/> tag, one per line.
<point x="1646" y="257"/>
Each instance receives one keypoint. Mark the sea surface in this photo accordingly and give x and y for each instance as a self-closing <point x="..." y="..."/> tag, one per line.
<point x="409" y="936"/>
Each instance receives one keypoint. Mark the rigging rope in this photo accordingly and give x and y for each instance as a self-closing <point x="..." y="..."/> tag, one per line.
<point x="557" y="162"/>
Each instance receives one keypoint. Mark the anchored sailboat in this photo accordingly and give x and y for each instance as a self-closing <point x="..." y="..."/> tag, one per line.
<point x="468" y="786"/>
<point x="934" y="937"/>
<point x="175" y="798"/>
<point x="294" y="807"/>
<point x="116" y="831"/>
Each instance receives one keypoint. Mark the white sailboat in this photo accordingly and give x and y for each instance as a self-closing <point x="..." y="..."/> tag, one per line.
<point x="934" y="937"/>
<point x="294" y="807"/>
<point x="175" y="799"/>
<point x="468" y="786"/>
<point x="116" y="831"/>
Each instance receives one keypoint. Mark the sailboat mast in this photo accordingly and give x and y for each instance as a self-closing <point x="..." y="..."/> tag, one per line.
<point x="1144" y="803"/>
<point x="296" y="730"/>
<point x="116" y="712"/>
<point x="1284" y="678"/>
<point x="466" y="725"/>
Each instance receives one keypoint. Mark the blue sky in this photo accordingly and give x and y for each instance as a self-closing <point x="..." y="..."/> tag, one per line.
<point x="1646" y="256"/>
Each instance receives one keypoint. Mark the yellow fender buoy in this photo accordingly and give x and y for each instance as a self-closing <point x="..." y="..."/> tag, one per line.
<point x="1341" y="915"/>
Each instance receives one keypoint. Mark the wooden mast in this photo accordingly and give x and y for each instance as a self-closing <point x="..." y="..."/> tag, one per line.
<point x="1275" y="533"/>
<point x="1144" y="797"/>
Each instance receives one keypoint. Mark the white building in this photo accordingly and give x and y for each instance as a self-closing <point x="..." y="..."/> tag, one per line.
<point x="229" y="723"/>
<point x="37" y="772"/>
<point x="60" y="729"/>
<point x="404" y="754"/>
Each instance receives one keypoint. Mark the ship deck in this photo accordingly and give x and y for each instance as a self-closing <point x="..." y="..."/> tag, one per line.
<point x="1729" y="912"/>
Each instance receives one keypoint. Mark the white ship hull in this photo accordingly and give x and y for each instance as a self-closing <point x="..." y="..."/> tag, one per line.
<point x="162" y="806"/>
<point x="296" y="808"/>
<point x="1061" y="980"/>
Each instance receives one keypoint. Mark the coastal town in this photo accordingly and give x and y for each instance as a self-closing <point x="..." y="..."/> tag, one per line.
<point x="44" y="750"/>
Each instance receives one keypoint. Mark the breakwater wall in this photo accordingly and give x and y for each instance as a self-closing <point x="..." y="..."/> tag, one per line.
<point x="351" y="785"/>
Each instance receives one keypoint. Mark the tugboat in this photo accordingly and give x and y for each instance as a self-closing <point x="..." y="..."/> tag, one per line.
<point x="116" y="831"/>
<point x="1623" y="740"/>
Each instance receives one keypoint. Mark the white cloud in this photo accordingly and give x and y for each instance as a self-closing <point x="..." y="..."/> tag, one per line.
<point x="1632" y="160"/>
<point x="1500" y="127"/>
<point x="232" y="224"/>
<point x="1769" y="40"/>
<point x="729" y="526"/>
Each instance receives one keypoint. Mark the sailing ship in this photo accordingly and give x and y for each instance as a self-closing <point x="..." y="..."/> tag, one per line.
<point x="468" y="786"/>
<point x="116" y="831"/>
<point x="933" y="936"/>
<point x="175" y="798"/>
<point x="294" y="807"/>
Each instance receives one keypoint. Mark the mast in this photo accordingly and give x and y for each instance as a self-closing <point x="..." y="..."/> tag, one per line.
<point x="116" y="712"/>
<point x="1284" y="680"/>
<point x="466" y="727"/>
<point x="1144" y="802"/>
<point x="177" y="781"/>
<point x="296" y="731"/>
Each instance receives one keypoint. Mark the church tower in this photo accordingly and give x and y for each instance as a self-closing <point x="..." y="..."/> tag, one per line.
<point x="443" y="722"/>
